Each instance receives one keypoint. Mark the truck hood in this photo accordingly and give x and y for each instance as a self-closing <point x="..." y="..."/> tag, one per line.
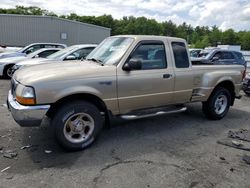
<point x="62" y="71"/>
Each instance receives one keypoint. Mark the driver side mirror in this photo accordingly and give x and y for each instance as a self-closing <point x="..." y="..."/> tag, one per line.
<point x="133" y="64"/>
<point x="70" y="57"/>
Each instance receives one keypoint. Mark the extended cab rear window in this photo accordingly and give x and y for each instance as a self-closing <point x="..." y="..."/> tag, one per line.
<point x="239" y="55"/>
<point x="180" y="55"/>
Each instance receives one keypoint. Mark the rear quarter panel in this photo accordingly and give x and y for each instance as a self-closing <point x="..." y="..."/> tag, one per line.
<point x="207" y="77"/>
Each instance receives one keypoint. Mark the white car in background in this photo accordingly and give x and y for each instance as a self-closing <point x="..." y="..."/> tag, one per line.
<point x="4" y="49"/>
<point x="31" y="48"/>
<point x="75" y="52"/>
<point x="6" y="64"/>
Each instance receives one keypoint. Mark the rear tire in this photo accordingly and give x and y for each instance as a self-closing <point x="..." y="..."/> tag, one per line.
<point x="218" y="104"/>
<point x="77" y="124"/>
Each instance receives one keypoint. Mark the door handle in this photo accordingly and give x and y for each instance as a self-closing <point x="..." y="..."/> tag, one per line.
<point x="167" y="76"/>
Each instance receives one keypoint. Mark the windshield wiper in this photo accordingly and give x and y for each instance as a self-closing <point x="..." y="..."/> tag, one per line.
<point x="96" y="60"/>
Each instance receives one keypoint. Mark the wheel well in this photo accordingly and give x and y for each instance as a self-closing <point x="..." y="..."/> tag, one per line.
<point x="87" y="97"/>
<point x="230" y="87"/>
<point x="7" y="66"/>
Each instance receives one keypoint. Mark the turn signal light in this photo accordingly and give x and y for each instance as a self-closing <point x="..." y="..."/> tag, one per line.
<point x="25" y="101"/>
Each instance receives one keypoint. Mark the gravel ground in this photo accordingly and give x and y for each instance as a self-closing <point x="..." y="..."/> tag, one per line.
<point x="177" y="150"/>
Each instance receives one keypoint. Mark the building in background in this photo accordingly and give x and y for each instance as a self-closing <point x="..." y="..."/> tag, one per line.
<point x="21" y="30"/>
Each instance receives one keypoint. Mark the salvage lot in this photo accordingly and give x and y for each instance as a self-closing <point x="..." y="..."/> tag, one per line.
<point x="178" y="150"/>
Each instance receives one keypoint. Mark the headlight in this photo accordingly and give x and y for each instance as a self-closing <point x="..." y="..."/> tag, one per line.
<point x="25" y="95"/>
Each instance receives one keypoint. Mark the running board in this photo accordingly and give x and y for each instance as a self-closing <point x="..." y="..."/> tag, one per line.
<point x="133" y="116"/>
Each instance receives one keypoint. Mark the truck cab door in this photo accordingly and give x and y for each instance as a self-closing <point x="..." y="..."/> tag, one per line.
<point x="149" y="85"/>
<point x="184" y="78"/>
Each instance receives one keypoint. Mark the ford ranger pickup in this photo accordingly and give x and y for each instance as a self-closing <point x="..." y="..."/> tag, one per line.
<point x="129" y="77"/>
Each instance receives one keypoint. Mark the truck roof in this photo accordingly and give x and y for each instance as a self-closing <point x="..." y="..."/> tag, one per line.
<point x="152" y="37"/>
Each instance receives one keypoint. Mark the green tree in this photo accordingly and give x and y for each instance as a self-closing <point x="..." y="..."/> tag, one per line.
<point x="202" y="43"/>
<point x="169" y="28"/>
<point x="229" y="37"/>
<point x="245" y="41"/>
<point x="215" y="36"/>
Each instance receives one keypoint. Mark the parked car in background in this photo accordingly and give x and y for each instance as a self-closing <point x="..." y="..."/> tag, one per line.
<point x="246" y="55"/>
<point x="5" y="49"/>
<point x="246" y="81"/>
<point x="219" y="56"/>
<point x="6" y="64"/>
<point x="75" y="52"/>
<point x="31" y="48"/>
<point x="194" y="52"/>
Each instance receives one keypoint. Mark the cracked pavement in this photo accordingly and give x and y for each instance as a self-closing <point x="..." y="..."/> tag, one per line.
<point x="177" y="150"/>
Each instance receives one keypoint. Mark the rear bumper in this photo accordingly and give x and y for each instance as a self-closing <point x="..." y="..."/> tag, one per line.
<point x="26" y="116"/>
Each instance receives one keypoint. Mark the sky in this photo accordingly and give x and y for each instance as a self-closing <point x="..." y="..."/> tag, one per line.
<point x="223" y="13"/>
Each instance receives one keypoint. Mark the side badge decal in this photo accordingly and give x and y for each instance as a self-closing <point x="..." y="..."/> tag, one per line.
<point x="106" y="83"/>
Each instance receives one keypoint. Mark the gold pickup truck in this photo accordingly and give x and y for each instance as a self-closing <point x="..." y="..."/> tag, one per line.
<point x="126" y="76"/>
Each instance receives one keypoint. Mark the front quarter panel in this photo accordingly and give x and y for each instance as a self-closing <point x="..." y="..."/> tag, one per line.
<point x="101" y="87"/>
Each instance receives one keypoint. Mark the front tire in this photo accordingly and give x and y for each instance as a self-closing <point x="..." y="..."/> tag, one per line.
<point x="7" y="73"/>
<point x="218" y="104"/>
<point x="77" y="124"/>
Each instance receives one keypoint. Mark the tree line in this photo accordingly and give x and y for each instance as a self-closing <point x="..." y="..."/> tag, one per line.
<point x="198" y="37"/>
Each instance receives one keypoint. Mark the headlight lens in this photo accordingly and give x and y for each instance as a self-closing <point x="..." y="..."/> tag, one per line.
<point x="25" y="95"/>
<point x="28" y="92"/>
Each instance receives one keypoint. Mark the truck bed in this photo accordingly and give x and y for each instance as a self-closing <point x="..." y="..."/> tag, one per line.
<point x="208" y="76"/>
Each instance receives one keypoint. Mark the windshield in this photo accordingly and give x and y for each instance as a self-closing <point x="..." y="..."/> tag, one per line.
<point x="204" y="53"/>
<point x="61" y="53"/>
<point x="194" y="53"/>
<point x="33" y="54"/>
<point x="111" y="50"/>
<point x="22" y="49"/>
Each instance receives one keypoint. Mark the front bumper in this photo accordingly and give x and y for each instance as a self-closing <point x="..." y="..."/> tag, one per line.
<point x="26" y="116"/>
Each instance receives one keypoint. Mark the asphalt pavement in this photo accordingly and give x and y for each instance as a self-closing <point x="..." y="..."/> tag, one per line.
<point x="177" y="150"/>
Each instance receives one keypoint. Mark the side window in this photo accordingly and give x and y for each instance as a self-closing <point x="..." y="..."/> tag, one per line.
<point x="152" y="55"/>
<point x="239" y="55"/>
<point x="82" y="53"/>
<point x="218" y="54"/>
<point x="227" y="55"/>
<point x="32" y="49"/>
<point x="86" y="52"/>
<point x="180" y="55"/>
<point x="49" y="46"/>
<point x="53" y="46"/>
<point x="44" y="54"/>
